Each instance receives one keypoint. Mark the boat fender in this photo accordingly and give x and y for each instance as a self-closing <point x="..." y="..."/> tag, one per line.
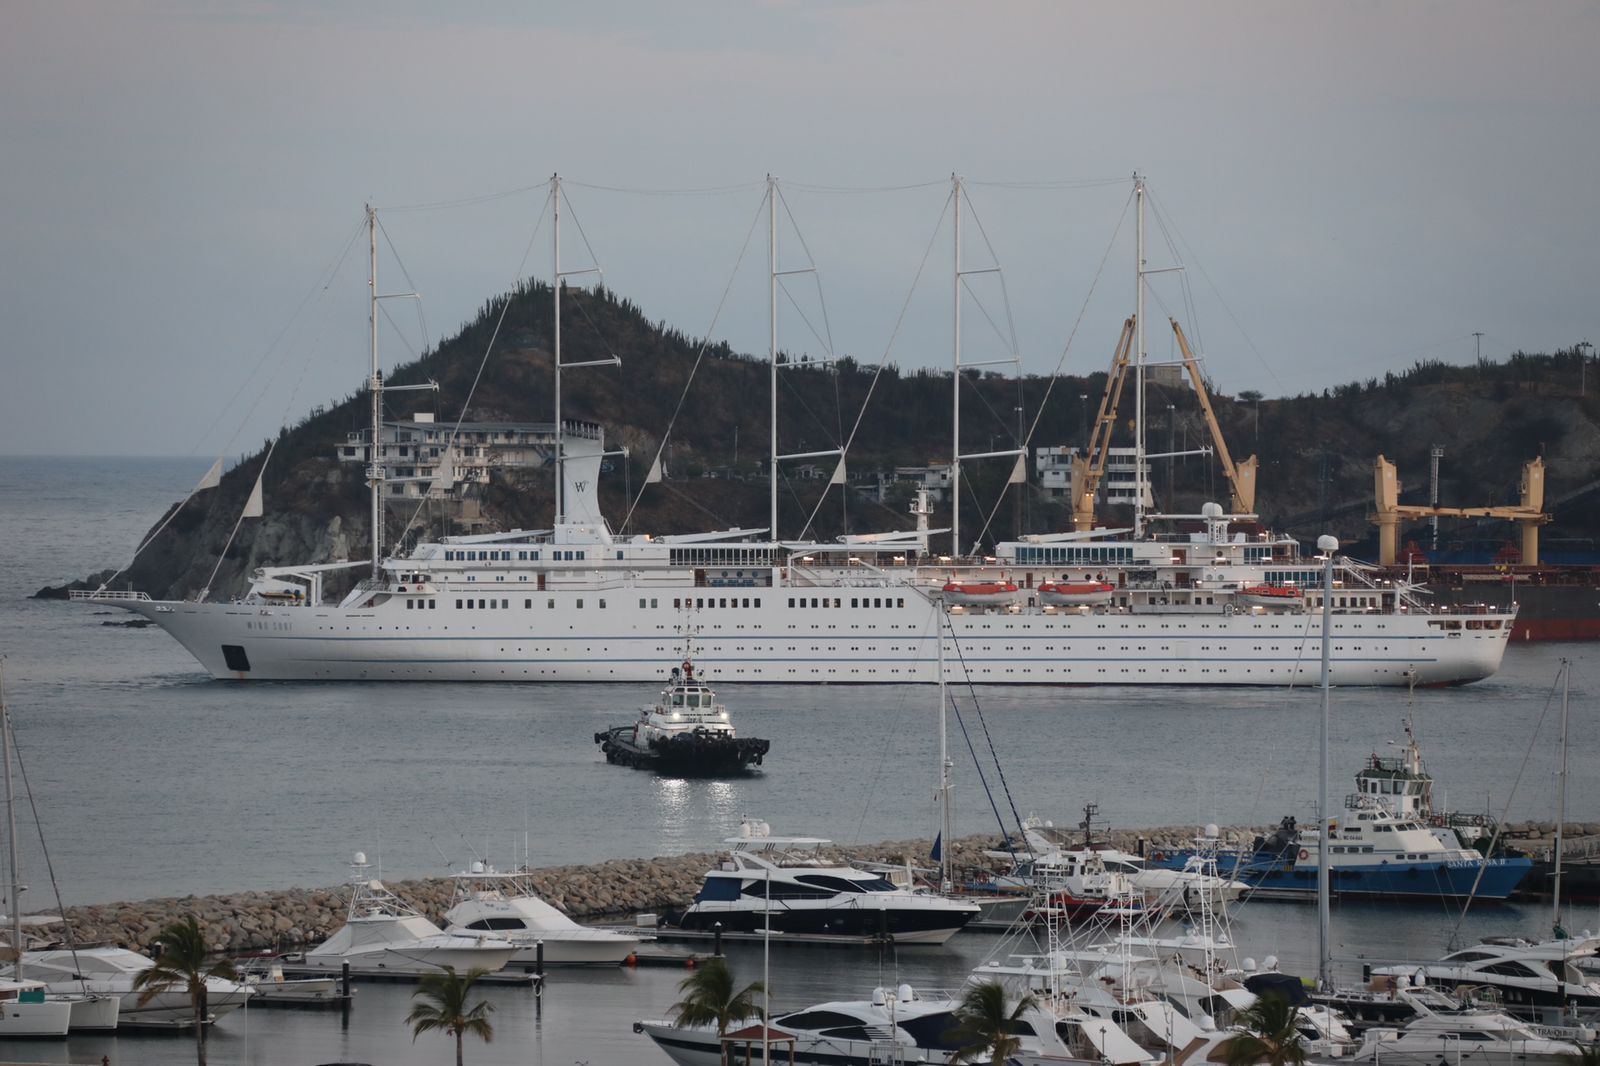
<point x="1304" y="854"/>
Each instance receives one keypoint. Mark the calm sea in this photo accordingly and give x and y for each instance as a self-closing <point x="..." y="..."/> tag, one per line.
<point x="150" y="779"/>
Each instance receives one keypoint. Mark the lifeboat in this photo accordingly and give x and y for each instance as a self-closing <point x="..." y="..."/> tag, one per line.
<point x="1083" y="594"/>
<point x="980" y="593"/>
<point x="1268" y="595"/>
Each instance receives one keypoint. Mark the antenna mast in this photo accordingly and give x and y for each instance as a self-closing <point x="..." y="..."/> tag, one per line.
<point x="1139" y="356"/>
<point x="375" y="386"/>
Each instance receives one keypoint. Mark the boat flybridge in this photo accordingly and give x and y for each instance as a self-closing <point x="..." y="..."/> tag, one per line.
<point x="789" y="886"/>
<point x="487" y="901"/>
<point x="384" y="935"/>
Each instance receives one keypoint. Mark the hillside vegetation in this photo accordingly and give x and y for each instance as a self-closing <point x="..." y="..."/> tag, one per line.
<point x="1316" y="450"/>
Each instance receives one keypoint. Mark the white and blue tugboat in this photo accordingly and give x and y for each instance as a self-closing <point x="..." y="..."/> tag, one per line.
<point x="686" y="731"/>
<point x="1389" y="843"/>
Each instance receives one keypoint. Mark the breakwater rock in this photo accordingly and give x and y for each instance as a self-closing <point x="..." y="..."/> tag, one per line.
<point x="290" y="919"/>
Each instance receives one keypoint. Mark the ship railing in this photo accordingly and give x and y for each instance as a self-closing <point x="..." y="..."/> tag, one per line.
<point x="108" y="594"/>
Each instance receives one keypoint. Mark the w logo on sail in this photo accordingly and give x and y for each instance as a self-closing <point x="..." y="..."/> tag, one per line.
<point x="580" y="486"/>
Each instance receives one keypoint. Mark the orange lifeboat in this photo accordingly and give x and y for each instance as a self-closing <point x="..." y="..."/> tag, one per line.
<point x="980" y="593"/>
<point x="1080" y="594"/>
<point x="1269" y="595"/>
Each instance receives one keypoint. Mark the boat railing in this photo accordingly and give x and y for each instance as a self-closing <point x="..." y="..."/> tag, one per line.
<point x="108" y="594"/>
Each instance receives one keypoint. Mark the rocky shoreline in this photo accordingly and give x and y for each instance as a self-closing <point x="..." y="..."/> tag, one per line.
<point x="295" y="918"/>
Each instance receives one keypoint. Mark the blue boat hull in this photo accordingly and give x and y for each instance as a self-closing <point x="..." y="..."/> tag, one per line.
<point x="1283" y="876"/>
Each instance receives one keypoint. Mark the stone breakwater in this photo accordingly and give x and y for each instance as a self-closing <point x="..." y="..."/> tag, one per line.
<point x="291" y="919"/>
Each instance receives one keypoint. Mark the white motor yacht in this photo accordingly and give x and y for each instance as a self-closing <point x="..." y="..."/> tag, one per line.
<point x="504" y="904"/>
<point x="1540" y="980"/>
<point x="787" y="885"/>
<point x="383" y="934"/>
<point x="1464" y="1038"/>
<point x="111" y="971"/>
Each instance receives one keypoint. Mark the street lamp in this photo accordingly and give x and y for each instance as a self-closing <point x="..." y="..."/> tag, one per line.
<point x="1583" y="366"/>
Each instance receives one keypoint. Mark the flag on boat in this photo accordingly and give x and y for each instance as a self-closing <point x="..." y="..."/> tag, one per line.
<point x="937" y="854"/>
<point x="838" y="473"/>
<point x="213" y="477"/>
<point x="252" y="506"/>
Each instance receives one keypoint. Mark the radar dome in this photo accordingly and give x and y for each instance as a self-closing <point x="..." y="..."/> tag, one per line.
<point x="361" y="858"/>
<point x="1327" y="543"/>
<point x="1211" y="510"/>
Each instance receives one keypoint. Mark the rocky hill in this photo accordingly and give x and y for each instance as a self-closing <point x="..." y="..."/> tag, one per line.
<point x="1316" y="450"/>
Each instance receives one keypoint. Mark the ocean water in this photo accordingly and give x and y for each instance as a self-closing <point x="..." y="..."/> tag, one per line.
<point x="151" y="779"/>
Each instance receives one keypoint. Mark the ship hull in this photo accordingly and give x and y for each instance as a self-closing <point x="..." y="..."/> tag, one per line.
<point x="1276" y="878"/>
<point x="762" y="639"/>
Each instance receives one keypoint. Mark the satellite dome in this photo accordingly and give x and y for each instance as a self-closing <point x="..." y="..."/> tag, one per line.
<point x="1211" y="510"/>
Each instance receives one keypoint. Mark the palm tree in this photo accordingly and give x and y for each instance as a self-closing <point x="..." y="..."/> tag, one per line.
<point x="985" y="1026"/>
<point x="1268" y="1035"/>
<point x="183" y="963"/>
<point x="446" y="1006"/>
<point x="709" y="998"/>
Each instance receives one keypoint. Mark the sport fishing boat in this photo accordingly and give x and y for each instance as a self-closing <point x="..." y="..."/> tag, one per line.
<point x="504" y="905"/>
<point x="1174" y="600"/>
<point x="686" y="731"/>
<point x="790" y="886"/>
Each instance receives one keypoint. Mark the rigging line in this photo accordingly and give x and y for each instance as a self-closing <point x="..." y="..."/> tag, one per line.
<point x="883" y="360"/>
<point x="44" y="847"/>
<point x="972" y="693"/>
<point x="978" y="301"/>
<point x="1083" y="310"/>
<point x="415" y="289"/>
<point x="467" y="201"/>
<point x="803" y="187"/>
<point x="505" y="307"/>
<point x="699" y="356"/>
<point x="398" y="335"/>
<point x="1191" y="312"/>
<point x="239" y="521"/>
<point x="1505" y="808"/>
<point x="1065" y="183"/>
<point x="816" y="274"/>
<point x="324" y="279"/>
<point x="982" y="779"/>
<point x="1005" y="297"/>
<point x="796" y="394"/>
<point x="826" y="342"/>
<point x="711" y="190"/>
<point x="1262" y="359"/>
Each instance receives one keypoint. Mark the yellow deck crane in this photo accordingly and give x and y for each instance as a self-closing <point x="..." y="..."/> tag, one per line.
<point x="1529" y="515"/>
<point x="1088" y="470"/>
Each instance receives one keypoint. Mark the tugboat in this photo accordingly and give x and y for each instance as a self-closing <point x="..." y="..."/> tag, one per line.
<point x="685" y="732"/>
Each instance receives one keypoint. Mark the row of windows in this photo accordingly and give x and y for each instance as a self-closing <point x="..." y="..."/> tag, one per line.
<point x="721" y="556"/>
<point x="1075" y="555"/>
<point x="503" y="555"/>
<point x="1293" y="577"/>
<point x="702" y="602"/>
<point x="855" y="601"/>
<point x="420" y="604"/>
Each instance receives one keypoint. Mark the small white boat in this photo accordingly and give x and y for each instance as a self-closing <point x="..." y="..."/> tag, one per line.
<point x="265" y="977"/>
<point x="1465" y="1038"/>
<point x="384" y="935"/>
<point x="504" y="904"/>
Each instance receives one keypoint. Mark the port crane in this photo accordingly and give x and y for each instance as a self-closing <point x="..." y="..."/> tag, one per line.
<point x="1529" y="514"/>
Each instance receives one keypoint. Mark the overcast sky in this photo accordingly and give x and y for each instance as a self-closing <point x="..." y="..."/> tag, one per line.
<point x="1350" y="187"/>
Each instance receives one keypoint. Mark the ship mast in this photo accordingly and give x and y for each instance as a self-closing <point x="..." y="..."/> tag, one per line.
<point x="955" y="383"/>
<point x="375" y="387"/>
<point x="1139" y="356"/>
<point x="557" y="279"/>
<point x="772" y="351"/>
<point x="944" y="763"/>
<point x="1327" y="544"/>
<point x="15" y="903"/>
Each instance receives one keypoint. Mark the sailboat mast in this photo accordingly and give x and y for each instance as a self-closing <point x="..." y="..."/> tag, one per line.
<point x="1561" y="797"/>
<point x="1327" y="544"/>
<point x="944" y="766"/>
<point x="772" y="326"/>
<point x="15" y="903"/>
<point x="555" y="294"/>
<point x="375" y="386"/>
<point x="955" y="383"/>
<point x="1138" y="348"/>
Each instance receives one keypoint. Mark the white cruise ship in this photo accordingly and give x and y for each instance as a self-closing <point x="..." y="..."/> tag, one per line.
<point x="1221" y="605"/>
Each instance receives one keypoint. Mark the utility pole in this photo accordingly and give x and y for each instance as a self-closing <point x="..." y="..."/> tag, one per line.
<point x="1583" y="365"/>
<point x="1172" y="432"/>
<point x="1437" y="452"/>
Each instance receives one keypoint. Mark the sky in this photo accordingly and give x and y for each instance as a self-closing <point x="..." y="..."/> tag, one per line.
<point x="1348" y="187"/>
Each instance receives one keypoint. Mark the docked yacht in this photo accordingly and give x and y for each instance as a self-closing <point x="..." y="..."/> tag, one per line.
<point x="504" y="905"/>
<point x="1465" y="1037"/>
<point x="686" y="731"/>
<point x="904" y="1025"/>
<point x="111" y="971"/>
<point x="788" y="885"/>
<point x="383" y="934"/>
<point x="26" y="1012"/>
<point x="1540" y="980"/>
